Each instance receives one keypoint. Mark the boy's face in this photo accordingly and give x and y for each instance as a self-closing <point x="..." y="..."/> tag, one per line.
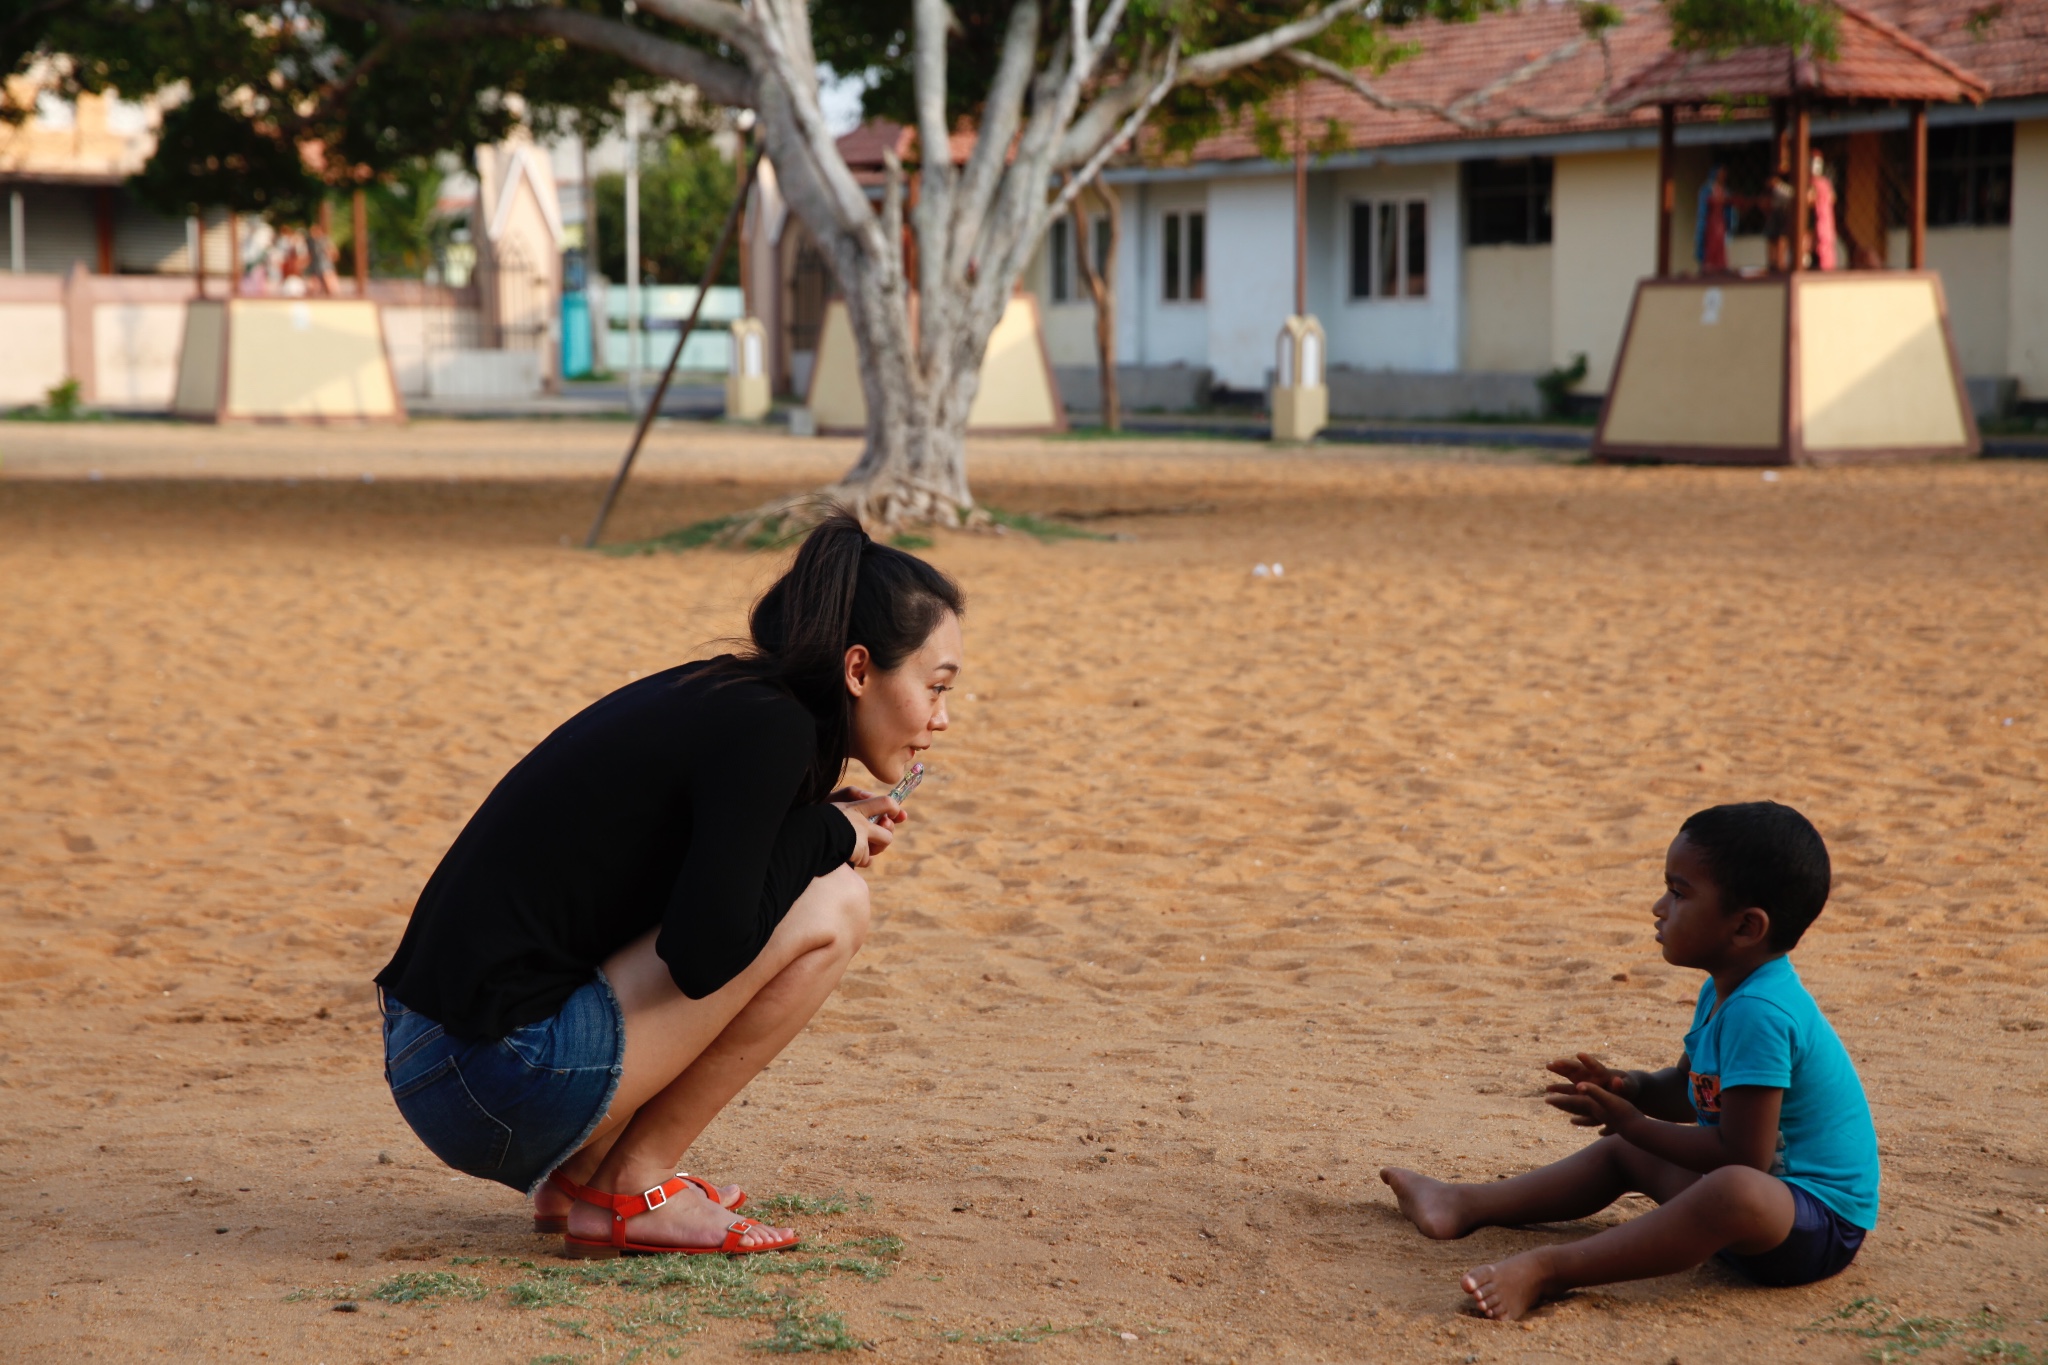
<point x="1690" y="924"/>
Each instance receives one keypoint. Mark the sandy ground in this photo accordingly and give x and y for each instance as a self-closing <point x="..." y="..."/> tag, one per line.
<point x="1225" y="892"/>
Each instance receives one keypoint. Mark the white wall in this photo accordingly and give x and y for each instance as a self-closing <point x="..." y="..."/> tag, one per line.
<point x="135" y="353"/>
<point x="1251" y="275"/>
<point x="2027" y="340"/>
<point x="1976" y="277"/>
<point x="1604" y="230"/>
<point x="31" y="350"/>
<point x="1507" y="308"/>
<point x="1165" y="333"/>
<point x="1399" y="333"/>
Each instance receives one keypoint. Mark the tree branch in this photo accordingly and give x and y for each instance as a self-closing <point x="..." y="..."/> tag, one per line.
<point x="1221" y="61"/>
<point x="720" y="82"/>
<point x="1000" y="116"/>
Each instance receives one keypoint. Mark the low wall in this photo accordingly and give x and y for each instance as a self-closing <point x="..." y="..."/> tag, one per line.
<point x="120" y="335"/>
<point x="1410" y="395"/>
<point x="1142" y="388"/>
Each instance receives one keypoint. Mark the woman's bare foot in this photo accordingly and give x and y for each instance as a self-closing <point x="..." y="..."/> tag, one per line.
<point x="549" y="1202"/>
<point x="688" y="1219"/>
<point x="1432" y="1205"/>
<point x="1509" y="1289"/>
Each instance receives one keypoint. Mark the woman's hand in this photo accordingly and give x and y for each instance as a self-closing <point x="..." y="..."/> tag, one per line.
<point x="870" y="836"/>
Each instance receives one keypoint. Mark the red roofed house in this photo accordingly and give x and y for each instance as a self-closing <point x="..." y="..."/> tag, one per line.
<point x="1453" y="259"/>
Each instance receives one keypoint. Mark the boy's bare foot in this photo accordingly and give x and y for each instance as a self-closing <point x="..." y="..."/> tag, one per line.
<point x="1431" y="1205"/>
<point x="1504" y="1292"/>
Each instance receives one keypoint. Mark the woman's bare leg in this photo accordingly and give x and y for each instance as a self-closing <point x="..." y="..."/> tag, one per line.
<point x="686" y="1059"/>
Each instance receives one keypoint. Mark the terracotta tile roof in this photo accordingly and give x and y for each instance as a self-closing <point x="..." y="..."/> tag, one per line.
<point x="1873" y="61"/>
<point x="1473" y="66"/>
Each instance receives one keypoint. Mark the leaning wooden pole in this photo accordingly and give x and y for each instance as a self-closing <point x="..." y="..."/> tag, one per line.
<point x="732" y="220"/>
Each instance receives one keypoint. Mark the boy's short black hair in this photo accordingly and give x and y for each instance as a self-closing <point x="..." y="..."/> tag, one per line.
<point x="1767" y="855"/>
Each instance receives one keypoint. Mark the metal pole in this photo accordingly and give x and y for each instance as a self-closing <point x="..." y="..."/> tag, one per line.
<point x="234" y="253"/>
<point x="1300" y="211"/>
<point x="1667" y="191"/>
<point x="632" y="253"/>
<point x="199" y="253"/>
<point x="732" y="221"/>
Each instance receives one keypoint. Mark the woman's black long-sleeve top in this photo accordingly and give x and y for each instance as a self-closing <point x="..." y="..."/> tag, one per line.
<point x="671" y="802"/>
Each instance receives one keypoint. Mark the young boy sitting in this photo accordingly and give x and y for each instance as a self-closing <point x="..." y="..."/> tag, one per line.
<point x="1757" y="1146"/>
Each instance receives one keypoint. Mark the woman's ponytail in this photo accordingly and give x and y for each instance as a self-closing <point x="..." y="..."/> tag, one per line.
<point x="843" y="589"/>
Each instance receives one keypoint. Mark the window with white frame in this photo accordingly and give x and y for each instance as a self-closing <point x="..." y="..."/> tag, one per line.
<point x="1389" y="248"/>
<point x="1184" y="255"/>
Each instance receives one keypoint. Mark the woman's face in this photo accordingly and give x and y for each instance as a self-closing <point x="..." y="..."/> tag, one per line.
<point x="896" y="713"/>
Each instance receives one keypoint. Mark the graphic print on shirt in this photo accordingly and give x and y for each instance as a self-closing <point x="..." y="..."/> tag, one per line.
<point x="1706" y="1096"/>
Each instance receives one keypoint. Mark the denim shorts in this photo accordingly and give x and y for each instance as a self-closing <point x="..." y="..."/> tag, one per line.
<point x="1820" y="1246"/>
<point x="514" y="1108"/>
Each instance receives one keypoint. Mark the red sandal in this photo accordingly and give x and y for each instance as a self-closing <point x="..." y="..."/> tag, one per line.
<point x="625" y="1206"/>
<point x="557" y="1222"/>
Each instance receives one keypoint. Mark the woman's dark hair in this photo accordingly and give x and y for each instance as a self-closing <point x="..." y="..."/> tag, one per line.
<point x="1767" y="855"/>
<point x="844" y="589"/>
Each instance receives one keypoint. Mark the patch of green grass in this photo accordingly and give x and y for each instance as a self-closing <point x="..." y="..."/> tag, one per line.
<point x="545" y="1290"/>
<point x="906" y="540"/>
<point x="417" y="1286"/>
<point x="807" y="1206"/>
<point x="648" y="1304"/>
<point x="1046" y="531"/>
<point x="1896" y="1337"/>
<point x="691" y="537"/>
<point x="801" y="1327"/>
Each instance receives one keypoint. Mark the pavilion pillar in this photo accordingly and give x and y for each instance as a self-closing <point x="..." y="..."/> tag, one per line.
<point x="1667" y="188"/>
<point x="359" y="229"/>
<point x="1802" y="183"/>
<point x="234" y="253"/>
<point x="103" y="223"/>
<point x="1917" y="136"/>
<point x="199" y="253"/>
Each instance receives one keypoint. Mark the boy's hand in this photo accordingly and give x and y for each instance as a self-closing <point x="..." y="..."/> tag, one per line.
<point x="1595" y="1106"/>
<point x="1588" y="1068"/>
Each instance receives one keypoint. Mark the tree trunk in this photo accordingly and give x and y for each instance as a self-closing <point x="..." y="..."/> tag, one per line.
<point x="1102" y="289"/>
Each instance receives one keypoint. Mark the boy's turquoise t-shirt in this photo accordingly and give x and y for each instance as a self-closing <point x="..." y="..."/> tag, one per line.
<point x="1770" y="1033"/>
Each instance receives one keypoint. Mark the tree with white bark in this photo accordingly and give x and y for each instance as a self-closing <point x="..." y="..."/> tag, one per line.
<point x="1049" y="94"/>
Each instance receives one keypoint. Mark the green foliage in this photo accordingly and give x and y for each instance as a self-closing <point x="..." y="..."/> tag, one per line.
<point x="686" y="191"/>
<point x="408" y="232"/>
<point x="1556" y="386"/>
<point x="873" y="37"/>
<point x="267" y="77"/>
<point x="1724" y="25"/>
<point x="60" y="401"/>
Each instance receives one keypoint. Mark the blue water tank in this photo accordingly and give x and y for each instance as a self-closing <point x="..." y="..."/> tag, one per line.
<point x="575" y="335"/>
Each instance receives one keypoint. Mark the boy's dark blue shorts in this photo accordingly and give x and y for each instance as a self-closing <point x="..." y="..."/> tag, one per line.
<point x="1820" y="1245"/>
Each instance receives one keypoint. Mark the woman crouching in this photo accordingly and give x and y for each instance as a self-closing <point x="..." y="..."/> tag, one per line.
<point x="653" y="903"/>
